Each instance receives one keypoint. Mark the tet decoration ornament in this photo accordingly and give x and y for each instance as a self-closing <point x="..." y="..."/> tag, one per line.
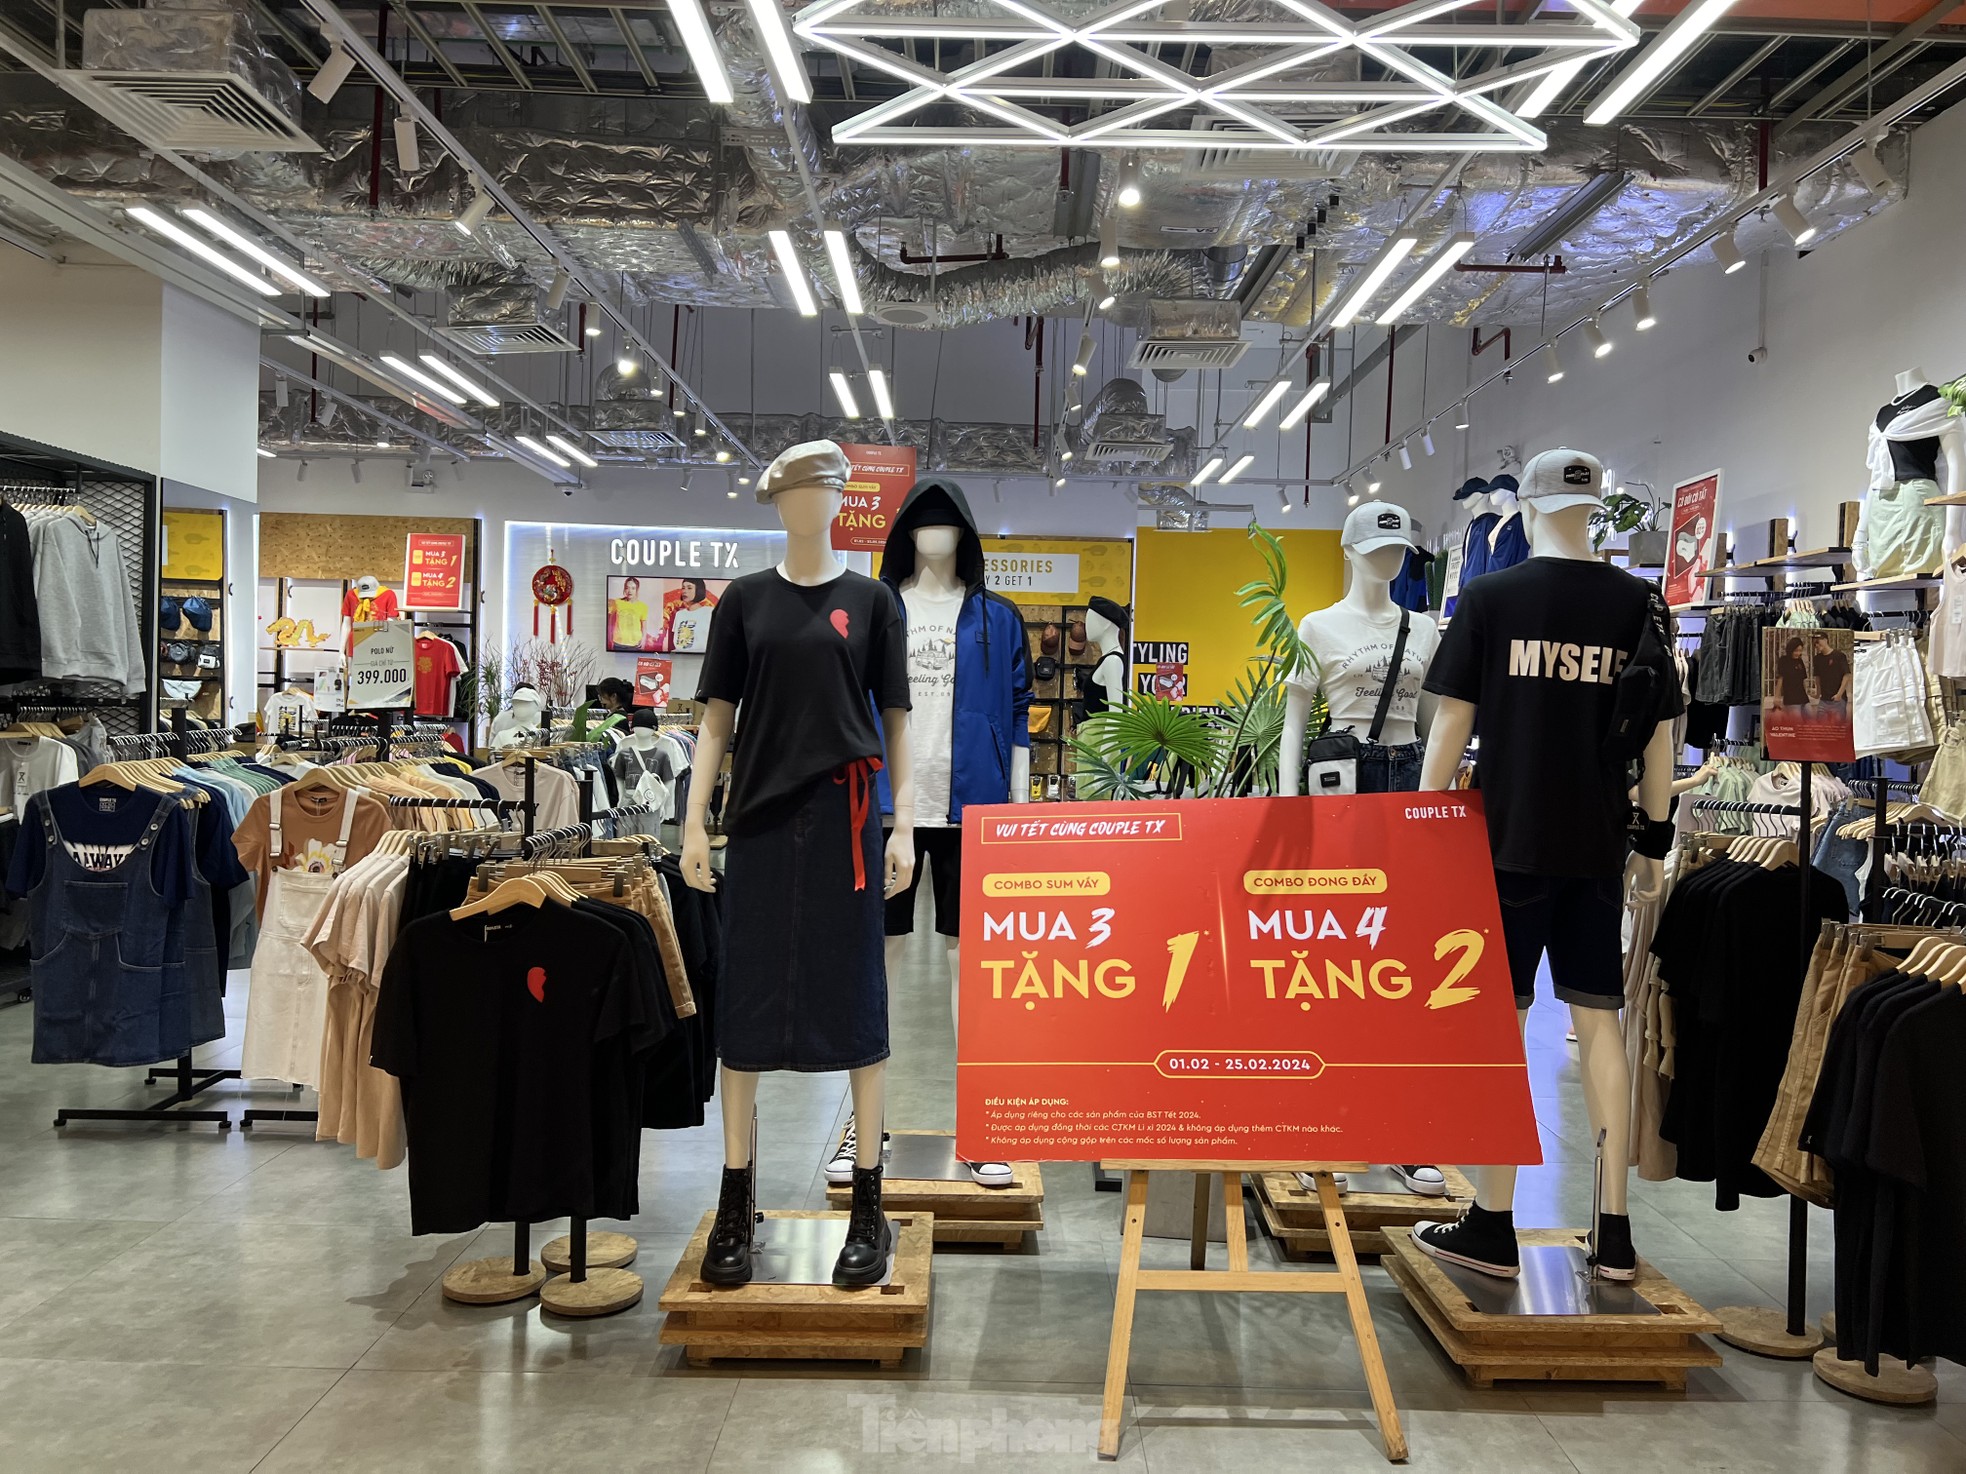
<point x="552" y="590"/>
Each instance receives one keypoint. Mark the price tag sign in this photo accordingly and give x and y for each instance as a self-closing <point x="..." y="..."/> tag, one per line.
<point x="381" y="672"/>
<point x="1244" y="979"/>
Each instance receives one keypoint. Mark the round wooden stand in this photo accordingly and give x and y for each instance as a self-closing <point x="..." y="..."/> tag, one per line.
<point x="491" y="1281"/>
<point x="1829" y="1326"/>
<point x="603" y="1292"/>
<point x="604" y="1251"/>
<point x="1895" y="1383"/>
<point x="1765" y="1331"/>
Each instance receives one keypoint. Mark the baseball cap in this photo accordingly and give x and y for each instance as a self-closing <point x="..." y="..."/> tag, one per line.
<point x="199" y="613"/>
<point x="1473" y="486"/>
<point x="167" y="613"/>
<point x="1377" y="525"/>
<point x="810" y="463"/>
<point x="1561" y="478"/>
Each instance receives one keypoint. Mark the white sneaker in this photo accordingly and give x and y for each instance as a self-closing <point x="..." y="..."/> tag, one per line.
<point x="839" y="1171"/>
<point x="1428" y="1182"/>
<point x="1309" y="1183"/>
<point x="991" y="1174"/>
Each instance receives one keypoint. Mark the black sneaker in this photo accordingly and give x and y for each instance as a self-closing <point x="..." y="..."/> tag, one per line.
<point x="863" y="1257"/>
<point x="1482" y="1241"/>
<point x="727" y="1257"/>
<point x="1426" y="1182"/>
<point x="1615" y="1259"/>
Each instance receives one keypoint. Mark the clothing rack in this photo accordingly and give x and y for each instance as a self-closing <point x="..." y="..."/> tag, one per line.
<point x="1798" y="1245"/>
<point x="1872" y="908"/>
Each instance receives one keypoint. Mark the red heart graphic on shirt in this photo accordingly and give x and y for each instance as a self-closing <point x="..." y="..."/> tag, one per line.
<point x="536" y="983"/>
<point x="838" y="616"/>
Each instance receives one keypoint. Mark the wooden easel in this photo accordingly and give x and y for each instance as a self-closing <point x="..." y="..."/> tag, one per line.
<point x="1240" y="1278"/>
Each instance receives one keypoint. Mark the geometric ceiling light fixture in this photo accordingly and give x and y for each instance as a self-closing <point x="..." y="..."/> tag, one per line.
<point x="787" y="69"/>
<point x="1031" y="69"/>
<point x="1554" y="84"/>
<point x="702" y="47"/>
<point x="1657" y="60"/>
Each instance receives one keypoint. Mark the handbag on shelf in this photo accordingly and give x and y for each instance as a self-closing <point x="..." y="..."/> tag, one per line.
<point x="1331" y="762"/>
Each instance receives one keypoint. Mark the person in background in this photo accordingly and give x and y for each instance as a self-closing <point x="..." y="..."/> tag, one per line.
<point x="627" y="617"/>
<point x="608" y="707"/>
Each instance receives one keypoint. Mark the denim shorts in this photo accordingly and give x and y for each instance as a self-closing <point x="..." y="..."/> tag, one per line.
<point x="1578" y="921"/>
<point x="1383" y="769"/>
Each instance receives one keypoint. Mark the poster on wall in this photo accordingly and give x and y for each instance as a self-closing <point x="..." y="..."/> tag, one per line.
<point x="878" y="477"/>
<point x="1282" y="979"/>
<point x="1806" y="681"/>
<point x="193" y="545"/>
<point x="381" y="668"/>
<point x="652" y="677"/>
<point x="1059" y="570"/>
<point x="433" y="571"/>
<point x="670" y="615"/>
<point x="1694" y="545"/>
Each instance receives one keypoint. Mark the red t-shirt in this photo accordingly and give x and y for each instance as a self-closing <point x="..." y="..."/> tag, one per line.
<point x="357" y="610"/>
<point x="436" y="667"/>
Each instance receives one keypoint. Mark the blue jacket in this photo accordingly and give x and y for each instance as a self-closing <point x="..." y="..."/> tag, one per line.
<point x="992" y="699"/>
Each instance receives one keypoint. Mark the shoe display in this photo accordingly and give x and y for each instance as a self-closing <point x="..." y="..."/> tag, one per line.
<point x="839" y="1171"/>
<point x="1428" y="1182"/>
<point x="991" y="1174"/>
<point x="863" y="1257"/>
<point x="1309" y="1183"/>
<point x="727" y="1259"/>
<point x="1482" y="1240"/>
<point x="1616" y="1259"/>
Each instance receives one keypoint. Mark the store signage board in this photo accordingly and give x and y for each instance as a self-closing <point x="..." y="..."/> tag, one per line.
<point x="878" y="477"/>
<point x="1807" y="681"/>
<point x="381" y="671"/>
<point x="1059" y="570"/>
<point x="653" y="675"/>
<point x="433" y="571"/>
<point x="1284" y="979"/>
<point x="1694" y="543"/>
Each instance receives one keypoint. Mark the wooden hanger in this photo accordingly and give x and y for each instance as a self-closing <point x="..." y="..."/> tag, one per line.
<point x="519" y="890"/>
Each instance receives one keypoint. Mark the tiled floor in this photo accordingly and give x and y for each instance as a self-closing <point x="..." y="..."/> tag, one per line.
<point x="182" y="1299"/>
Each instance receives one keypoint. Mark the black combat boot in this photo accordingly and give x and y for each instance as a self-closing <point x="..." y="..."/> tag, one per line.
<point x="863" y="1258"/>
<point x="727" y="1260"/>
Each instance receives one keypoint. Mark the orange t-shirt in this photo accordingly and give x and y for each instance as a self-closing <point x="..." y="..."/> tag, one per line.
<point x="310" y="823"/>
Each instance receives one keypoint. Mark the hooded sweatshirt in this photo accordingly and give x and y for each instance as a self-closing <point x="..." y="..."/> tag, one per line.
<point x="977" y="672"/>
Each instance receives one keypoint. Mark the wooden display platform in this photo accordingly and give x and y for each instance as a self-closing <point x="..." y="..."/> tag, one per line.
<point x="1293" y="1218"/>
<point x="1492" y="1348"/>
<point x="964" y="1212"/>
<point x="778" y="1322"/>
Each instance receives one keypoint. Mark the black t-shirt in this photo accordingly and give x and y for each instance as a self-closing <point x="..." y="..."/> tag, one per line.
<point x="801" y="664"/>
<point x="499" y="1027"/>
<point x="1912" y="460"/>
<point x="1832" y="670"/>
<point x="1538" y="648"/>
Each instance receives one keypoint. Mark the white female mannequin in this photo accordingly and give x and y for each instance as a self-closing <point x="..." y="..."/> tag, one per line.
<point x="521" y="717"/>
<point x="1883" y="545"/>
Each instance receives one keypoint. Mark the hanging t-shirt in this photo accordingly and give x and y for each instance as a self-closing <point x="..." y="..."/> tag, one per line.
<point x="287" y="711"/>
<point x="932" y="688"/>
<point x="101" y="825"/>
<point x="437" y="669"/>
<point x="801" y="663"/>
<point x="357" y="609"/>
<point x="310" y="824"/>
<point x="554" y="789"/>
<point x="1354" y="653"/>
<point x="30" y="764"/>
<point x="1538" y="648"/>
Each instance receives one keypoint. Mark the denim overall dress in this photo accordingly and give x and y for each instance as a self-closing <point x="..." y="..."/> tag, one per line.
<point x="101" y="953"/>
<point x="287" y="1010"/>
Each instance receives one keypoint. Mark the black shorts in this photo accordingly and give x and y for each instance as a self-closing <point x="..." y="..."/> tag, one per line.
<point x="1579" y="921"/>
<point x="945" y="848"/>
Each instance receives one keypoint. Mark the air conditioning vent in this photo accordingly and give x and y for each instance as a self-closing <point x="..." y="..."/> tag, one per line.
<point x="492" y="338"/>
<point x="1195" y="333"/>
<point x="649" y="442"/>
<point x="190" y="112"/>
<point x="1158" y="354"/>
<point x="644" y="425"/>
<point x="906" y="314"/>
<point x="1130" y="452"/>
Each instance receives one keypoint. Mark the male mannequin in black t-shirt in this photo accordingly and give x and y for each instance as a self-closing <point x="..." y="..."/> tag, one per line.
<point x="1542" y="651"/>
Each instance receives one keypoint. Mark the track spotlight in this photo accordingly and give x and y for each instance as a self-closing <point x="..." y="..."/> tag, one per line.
<point x="1372" y="486"/>
<point x="1462" y="419"/>
<point x="1083" y="363"/>
<point x="355" y="470"/>
<point x="1127" y="196"/>
<point x="1405" y="457"/>
<point x="1283" y="501"/>
<point x="334" y="71"/>
<point x="723" y="456"/>
<point x="1106" y="302"/>
<point x="279" y="391"/>
<point x="1213" y="465"/>
<point x="474" y="213"/>
<point x="1059" y="482"/>
<point x="1727" y="251"/>
<point x="1243" y="463"/>
<point x="300" y="474"/>
<point x="1065" y="453"/>
<point x="1352" y="499"/>
<point x="1594" y="337"/>
<point x="329" y="409"/>
<point x="556" y="294"/>
<point x="1552" y="363"/>
<point x="1294" y="416"/>
<point x="1869" y="169"/>
<point x="408" y="159"/>
<point x="382" y="445"/>
<point x="626" y="367"/>
<point x="593" y="330"/>
<point x="1427" y="440"/>
<point x="1261" y="408"/>
<point x="1109" y="242"/>
<point x="1643" y="316"/>
<point x="699" y="426"/>
<point x="1794" y="221"/>
<point x="733" y="495"/>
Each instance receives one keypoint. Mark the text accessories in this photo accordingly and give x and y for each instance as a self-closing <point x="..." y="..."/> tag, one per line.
<point x="1331" y="762"/>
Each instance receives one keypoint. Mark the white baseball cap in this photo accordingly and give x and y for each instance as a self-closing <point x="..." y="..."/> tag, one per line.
<point x="1561" y="478"/>
<point x="1377" y="525"/>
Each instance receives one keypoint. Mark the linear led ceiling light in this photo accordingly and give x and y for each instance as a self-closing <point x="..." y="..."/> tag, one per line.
<point x="1294" y="416"/>
<point x="1213" y="465"/>
<point x="1727" y="251"/>
<point x="1374" y="277"/>
<point x="883" y="402"/>
<point x="1552" y="363"/>
<point x="1109" y="242"/>
<point x="478" y="392"/>
<point x="1083" y="363"/>
<point x="1262" y="407"/>
<point x="264" y="453"/>
<point x="1643" y="316"/>
<point x="286" y="270"/>
<point x="567" y="447"/>
<point x="1794" y="221"/>
<point x="1655" y="61"/>
<point x="787" y="69"/>
<point x="543" y="453"/>
<point x="1556" y="82"/>
<point x="694" y="27"/>
<point x="1243" y="463"/>
<point x="172" y="231"/>
<point x="474" y="213"/>
<point x="334" y="71"/>
<point x="1438" y="265"/>
<point x="843" y="391"/>
<point x="417" y="376"/>
<point x="843" y="277"/>
<point x="1594" y="336"/>
<point x="794" y="269"/>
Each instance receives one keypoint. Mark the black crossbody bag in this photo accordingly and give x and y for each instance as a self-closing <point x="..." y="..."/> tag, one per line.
<point x="1331" y="763"/>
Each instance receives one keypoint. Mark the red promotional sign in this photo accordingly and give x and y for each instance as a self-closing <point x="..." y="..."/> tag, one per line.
<point x="1285" y="979"/>
<point x="1695" y="539"/>
<point x="652" y="674"/>
<point x="433" y="571"/>
<point x="878" y="478"/>
<point x="1806" y="686"/>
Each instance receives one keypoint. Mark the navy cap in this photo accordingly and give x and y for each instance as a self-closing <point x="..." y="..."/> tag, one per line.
<point x="1473" y="486"/>
<point x="199" y="613"/>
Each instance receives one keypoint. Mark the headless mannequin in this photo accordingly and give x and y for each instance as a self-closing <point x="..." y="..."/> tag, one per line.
<point x="807" y="514"/>
<point x="935" y="575"/>
<point x="1369" y="594"/>
<point x="1952" y="448"/>
<point x="368" y="586"/>
<point x="522" y="715"/>
<point x="1600" y="1040"/>
<point x="1109" y="675"/>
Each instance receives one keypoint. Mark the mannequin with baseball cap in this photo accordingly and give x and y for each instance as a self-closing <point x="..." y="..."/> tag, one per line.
<point x="807" y="651"/>
<point x="1564" y="659"/>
